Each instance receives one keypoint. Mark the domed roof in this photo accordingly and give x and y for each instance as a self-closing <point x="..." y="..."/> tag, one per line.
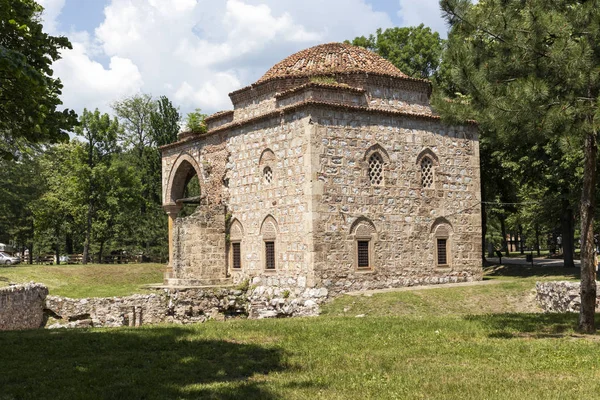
<point x="331" y="58"/>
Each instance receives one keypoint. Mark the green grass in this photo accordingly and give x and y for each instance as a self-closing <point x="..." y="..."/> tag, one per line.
<point x="92" y="280"/>
<point x="502" y="356"/>
<point x="455" y="343"/>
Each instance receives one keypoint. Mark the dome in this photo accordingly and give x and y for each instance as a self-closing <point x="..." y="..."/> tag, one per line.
<point x="331" y="58"/>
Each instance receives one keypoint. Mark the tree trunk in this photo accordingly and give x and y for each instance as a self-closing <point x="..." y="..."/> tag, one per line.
<point x="69" y="244"/>
<point x="100" y="252"/>
<point x="57" y="248"/>
<point x="483" y="230"/>
<point x="88" y="233"/>
<point x="588" y="267"/>
<point x="521" y="239"/>
<point x="537" y="240"/>
<point x="503" y="231"/>
<point x="31" y="254"/>
<point x="566" y="223"/>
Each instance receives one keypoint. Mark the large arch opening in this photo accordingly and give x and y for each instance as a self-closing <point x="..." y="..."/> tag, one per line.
<point x="184" y="189"/>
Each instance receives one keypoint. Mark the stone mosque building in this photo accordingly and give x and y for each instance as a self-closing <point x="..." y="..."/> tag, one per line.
<point x="331" y="171"/>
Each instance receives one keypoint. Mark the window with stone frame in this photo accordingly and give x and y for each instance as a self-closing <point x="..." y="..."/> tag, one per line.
<point x="269" y="255"/>
<point x="269" y="235"/>
<point x="236" y="255"/>
<point x="426" y="172"/>
<point x="376" y="169"/>
<point x="442" y="242"/>
<point x="268" y="175"/>
<point x="236" y="233"/>
<point x="364" y="235"/>
<point x="362" y="256"/>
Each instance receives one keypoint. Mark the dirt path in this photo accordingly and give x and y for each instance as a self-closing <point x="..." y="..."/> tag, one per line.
<point x="427" y="287"/>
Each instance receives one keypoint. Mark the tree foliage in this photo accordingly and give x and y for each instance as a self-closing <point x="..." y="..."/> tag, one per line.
<point x="416" y="51"/>
<point x="29" y="95"/>
<point x="528" y="72"/>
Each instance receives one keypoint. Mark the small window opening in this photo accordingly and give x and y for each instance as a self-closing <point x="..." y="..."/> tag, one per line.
<point x="363" y="254"/>
<point x="237" y="255"/>
<point x="376" y="169"/>
<point x="268" y="174"/>
<point x="426" y="172"/>
<point x="270" y="255"/>
<point x="442" y="254"/>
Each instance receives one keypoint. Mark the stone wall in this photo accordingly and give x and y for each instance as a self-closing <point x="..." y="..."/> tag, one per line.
<point x="285" y="199"/>
<point x="22" y="306"/>
<point x="561" y="296"/>
<point x="199" y="247"/>
<point x="402" y="213"/>
<point x="184" y="306"/>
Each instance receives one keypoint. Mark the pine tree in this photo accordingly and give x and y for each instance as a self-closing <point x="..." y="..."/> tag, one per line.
<point x="529" y="70"/>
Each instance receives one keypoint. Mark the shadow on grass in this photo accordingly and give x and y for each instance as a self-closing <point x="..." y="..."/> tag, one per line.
<point x="515" y="325"/>
<point x="525" y="271"/>
<point x="149" y="363"/>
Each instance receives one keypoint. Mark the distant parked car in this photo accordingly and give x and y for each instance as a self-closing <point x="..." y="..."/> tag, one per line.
<point x="7" y="260"/>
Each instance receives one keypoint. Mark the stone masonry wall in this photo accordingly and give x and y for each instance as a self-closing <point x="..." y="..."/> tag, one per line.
<point x="22" y="306"/>
<point x="184" y="306"/>
<point x="402" y="212"/>
<point x="199" y="247"/>
<point x="286" y="199"/>
<point x="561" y="296"/>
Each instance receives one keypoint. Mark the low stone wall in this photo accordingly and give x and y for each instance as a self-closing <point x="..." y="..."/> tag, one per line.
<point x="561" y="296"/>
<point x="183" y="306"/>
<point x="22" y="306"/>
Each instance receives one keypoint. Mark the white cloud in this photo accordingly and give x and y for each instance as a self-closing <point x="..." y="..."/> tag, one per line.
<point x="52" y="9"/>
<point x="87" y="84"/>
<point x="197" y="51"/>
<point x="427" y="12"/>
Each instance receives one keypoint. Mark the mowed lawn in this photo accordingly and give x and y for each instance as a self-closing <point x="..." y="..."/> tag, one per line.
<point x="92" y="280"/>
<point x="479" y="342"/>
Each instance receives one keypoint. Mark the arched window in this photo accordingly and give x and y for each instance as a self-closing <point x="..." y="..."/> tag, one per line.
<point x="268" y="231"/>
<point x="268" y="174"/>
<point x="236" y="233"/>
<point x="442" y="236"/>
<point x="376" y="169"/>
<point x="364" y="234"/>
<point x="426" y="172"/>
<point x="266" y="164"/>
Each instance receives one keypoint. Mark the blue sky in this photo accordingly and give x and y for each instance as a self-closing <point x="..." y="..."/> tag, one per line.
<point x="197" y="51"/>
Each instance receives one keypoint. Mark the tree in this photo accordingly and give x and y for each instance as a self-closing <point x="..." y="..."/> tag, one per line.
<point x="29" y="96"/>
<point x="416" y="51"/>
<point x="20" y="185"/>
<point x="148" y="124"/>
<point x="530" y="70"/>
<point x="100" y="134"/>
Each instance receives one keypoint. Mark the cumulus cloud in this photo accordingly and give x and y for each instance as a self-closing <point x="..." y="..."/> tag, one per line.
<point x="427" y="12"/>
<point x="52" y="9"/>
<point x="196" y="51"/>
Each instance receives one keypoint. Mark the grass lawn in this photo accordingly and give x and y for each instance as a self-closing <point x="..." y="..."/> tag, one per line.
<point x="92" y="280"/>
<point x="455" y="343"/>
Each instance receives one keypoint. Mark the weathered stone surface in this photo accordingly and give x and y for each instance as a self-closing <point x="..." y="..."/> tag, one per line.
<point x="183" y="306"/>
<point x="561" y="296"/>
<point x="22" y="306"/>
<point x="315" y="138"/>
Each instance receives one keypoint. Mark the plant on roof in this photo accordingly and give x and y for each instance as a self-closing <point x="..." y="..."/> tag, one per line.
<point x="195" y="123"/>
<point x="330" y="80"/>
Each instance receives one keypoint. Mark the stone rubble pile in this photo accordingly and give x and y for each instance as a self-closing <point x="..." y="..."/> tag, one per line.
<point x="560" y="296"/>
<point x="184" y="306"/>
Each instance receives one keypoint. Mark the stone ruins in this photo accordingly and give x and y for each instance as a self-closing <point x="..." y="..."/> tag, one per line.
<point x="331" y="171"/>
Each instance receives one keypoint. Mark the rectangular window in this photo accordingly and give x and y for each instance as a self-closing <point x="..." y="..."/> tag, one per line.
<point x="236" y="252"/>
<point x="442" y="255"/>
<point x="270" y="255"/>
<point x="363" y="254"/>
